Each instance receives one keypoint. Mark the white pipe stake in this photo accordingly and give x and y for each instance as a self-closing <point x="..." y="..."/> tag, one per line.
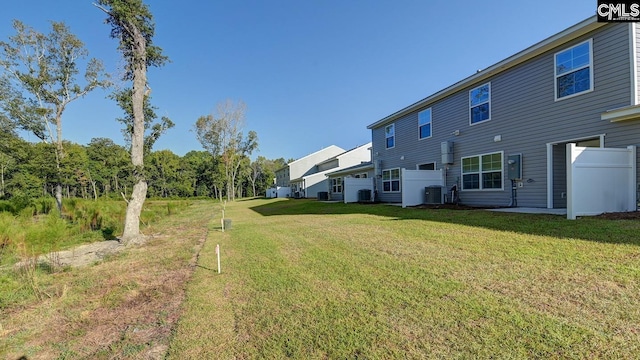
<point x="218" y="253"/>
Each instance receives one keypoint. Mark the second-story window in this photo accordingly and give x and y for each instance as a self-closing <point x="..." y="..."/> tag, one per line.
<point x="390" y="135"/>
<point x="480" y="104"/>
<point x="424" y="124"/>
<point x="573" y="70"/>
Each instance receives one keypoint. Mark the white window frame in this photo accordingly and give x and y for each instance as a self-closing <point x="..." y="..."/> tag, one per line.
<point x="421" y="117"/>
<point x="480" y="172"/>
<point x="391" y="180"/>
<point x="589" y="65"/>
<point x="472" y="105"/>
<point x="387" y="136"/>
<point x="336" y="184"/>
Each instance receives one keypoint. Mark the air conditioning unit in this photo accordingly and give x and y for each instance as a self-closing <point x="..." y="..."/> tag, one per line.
<point x="364" y="195"/>
<point x="433" y="195"/>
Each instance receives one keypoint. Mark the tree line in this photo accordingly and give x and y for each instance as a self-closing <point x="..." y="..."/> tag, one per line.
<point x="42" y="73"/>
<point x="102" y="169"/>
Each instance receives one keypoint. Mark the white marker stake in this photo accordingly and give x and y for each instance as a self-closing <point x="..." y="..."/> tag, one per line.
<point x="218" y="253"/>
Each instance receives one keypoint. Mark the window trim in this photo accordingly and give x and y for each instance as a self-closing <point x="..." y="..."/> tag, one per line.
<point x="337" y="183"/>
<point x="430" y="124"/>
<point x="386" y="138"/>
<point x="480" y="172"/>
<point x="590" y="66"/>
<point x="471" y="106"/>
<point x="391" y="180"/>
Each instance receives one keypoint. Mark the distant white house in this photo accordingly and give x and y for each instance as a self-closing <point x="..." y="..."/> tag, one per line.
<point x="347" y="184"/>
<point x="278" y="191"/>
<point x="304" y="166"/>
<point x="316" y="181"/>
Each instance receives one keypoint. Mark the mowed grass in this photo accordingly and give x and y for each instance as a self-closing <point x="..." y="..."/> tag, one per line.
<point x="310" y="280"/>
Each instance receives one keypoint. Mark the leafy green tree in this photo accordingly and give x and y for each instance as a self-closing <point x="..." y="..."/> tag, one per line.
<point x="40" y="72"/>
<point x="167" y="177"/>
<point x="109" y="165"/>
<point x="76" y="176"/>
<point x="33" y="176"/>
<point x="13" y="151"/>
<point x="254" y="173"/>
<point x="222" y="135"/>
<point x="202" y="168"/>
<point x="132" y="24"/>
<point x="244" y="171"/>
<point x="6" y="163"/>
<point x="263" y="173"/>
<point x="152" y="130"/>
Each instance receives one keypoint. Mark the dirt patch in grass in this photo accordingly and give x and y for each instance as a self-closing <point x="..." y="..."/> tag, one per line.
<point x="125" y="306"/>
<point x="79" y="256"/>
<point x="631" y="215"/>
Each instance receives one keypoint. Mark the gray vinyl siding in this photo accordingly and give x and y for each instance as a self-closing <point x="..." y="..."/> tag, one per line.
<point x="636" y="40"/>
<point x="559" y="177"/>
<point x="327" y="165"/>
<point x="336" y="196"/>
<point x="526" y="115"/>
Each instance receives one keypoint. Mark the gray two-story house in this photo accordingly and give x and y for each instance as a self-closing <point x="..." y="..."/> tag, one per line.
<point x="579" y="86"/>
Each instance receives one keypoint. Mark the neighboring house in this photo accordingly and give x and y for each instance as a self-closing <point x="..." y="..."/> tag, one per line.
<point x="304" y="166"/>
<point x="340" y="182"/>
<point x="514" y="120"/>
<point x="315" y="181"/>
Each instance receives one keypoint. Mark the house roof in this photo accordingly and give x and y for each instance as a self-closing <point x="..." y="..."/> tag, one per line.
<point x="556" y="40"/>
<point x="364" y="166"/>
<point x="306" y="156"/>
<point x="346" y="152"/>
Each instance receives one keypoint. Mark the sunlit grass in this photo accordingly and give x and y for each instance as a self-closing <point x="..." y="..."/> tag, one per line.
<point x="304" y="279"/>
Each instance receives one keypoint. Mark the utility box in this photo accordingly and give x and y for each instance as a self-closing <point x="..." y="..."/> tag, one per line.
<point x="433" y="195"/>
<point x="446" y="149"/>
<point x="514" y="167"/>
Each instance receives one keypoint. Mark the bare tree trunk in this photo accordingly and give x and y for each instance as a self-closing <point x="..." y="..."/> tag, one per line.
<point x="131" y="233"/>
<point x="95" y="192"/>
<point x="59" y="197"/>
<point x="132" y="217"/>
<point x="2" y="181"/>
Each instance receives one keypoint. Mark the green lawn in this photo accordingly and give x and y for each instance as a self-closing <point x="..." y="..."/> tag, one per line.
<point x="304" y="279"/>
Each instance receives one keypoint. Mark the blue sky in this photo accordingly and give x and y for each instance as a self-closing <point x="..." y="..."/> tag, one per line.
<point x="312" y="73"/>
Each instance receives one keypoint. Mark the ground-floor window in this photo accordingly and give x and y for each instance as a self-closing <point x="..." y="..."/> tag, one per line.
<point x="482" y="172"/>
<point x="391" y="180"/>
<point x="336" y="185"/>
